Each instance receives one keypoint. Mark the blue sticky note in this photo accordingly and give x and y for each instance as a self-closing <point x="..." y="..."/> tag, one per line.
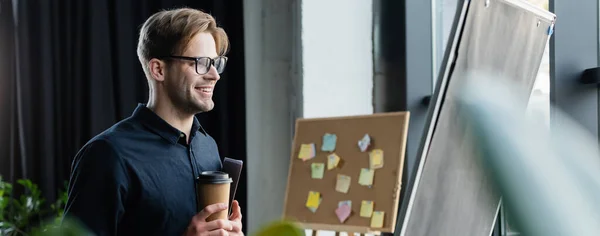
<point x="329" y="141"/>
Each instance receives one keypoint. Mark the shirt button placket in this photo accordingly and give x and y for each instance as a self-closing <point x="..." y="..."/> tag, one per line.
<point x="193" y="161"/>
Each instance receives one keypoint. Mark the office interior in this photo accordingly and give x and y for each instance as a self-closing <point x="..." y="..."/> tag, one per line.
<point x="69" y="70"/>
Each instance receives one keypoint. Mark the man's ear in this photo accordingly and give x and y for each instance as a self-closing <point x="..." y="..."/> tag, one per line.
<point x="157" y="69"/>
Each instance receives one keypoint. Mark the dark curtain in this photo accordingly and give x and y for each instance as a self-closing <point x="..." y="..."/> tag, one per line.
<point x="70" y="70"/>
<point x="7" y="88"/>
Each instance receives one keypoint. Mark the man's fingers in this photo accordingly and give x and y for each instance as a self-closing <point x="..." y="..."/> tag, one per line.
<point x="218" y="224"/>
<point x="237" y="207"/>
<point x="236" y="213"/>
<point x="237" y="226"/>
<point x="219" y="232"/>
<point x="209" y="210"/>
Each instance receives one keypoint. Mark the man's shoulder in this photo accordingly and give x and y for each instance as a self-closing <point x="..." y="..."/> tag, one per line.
<point x="109" y="146"/>
<point x="116" y="136"/>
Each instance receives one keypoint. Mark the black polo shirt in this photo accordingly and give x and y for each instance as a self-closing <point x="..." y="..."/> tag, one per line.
<point x="137" y="177"/>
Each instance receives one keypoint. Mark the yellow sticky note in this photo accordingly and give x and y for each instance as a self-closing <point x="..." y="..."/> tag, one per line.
<point x="313" y="199"/>
<point x="343" y="183"/>
<point x="376" y="159"/>
<point x="377" y="219"/>
<point x="317" y="170"/>
<point x="332" y="161"/>
<point x="366" y="177"/>
<point x="307" y="151"/>
<point x="314" y="209"/>
<point x="366" y="209"/>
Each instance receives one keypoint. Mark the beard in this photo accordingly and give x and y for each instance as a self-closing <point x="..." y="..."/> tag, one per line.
<point x="186" y="99"/>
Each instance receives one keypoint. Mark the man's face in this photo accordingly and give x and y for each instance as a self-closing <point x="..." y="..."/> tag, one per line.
<point x="189" y="91"/>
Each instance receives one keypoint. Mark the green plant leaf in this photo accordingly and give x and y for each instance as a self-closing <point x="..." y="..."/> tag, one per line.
<point x="7" y="228"/>
<point x="23" y="213"/>
<point x="67" y="228"/>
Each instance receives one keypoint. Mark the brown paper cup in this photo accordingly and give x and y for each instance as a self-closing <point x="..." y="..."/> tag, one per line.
<point x="213" y="187"/>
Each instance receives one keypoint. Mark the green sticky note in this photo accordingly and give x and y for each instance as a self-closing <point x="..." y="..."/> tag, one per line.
<point x="329" y="141"/>
<point x="317" y="170"/>
<point x="366" y="177"/>
<point x="343" y="183"/>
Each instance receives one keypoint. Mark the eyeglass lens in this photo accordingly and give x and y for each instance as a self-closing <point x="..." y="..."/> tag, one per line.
<point x="203" y="64"/>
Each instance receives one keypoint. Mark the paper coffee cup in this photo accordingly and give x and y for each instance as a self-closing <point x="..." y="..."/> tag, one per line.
<point x="213" y="187"/>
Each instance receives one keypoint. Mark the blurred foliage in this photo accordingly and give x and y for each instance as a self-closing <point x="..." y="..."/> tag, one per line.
<point x="28" y="214"/>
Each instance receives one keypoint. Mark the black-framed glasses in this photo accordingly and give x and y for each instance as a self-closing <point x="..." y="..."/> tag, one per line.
<point x="203" y="63"/>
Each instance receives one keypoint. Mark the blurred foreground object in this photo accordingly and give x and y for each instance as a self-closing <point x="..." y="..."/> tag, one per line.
<point x="549" y="179"/>
<point x="280" y="228"/>
<point x="450" y="194"/>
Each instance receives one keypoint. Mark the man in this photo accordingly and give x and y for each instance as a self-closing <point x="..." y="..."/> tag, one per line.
<point x="137" y="177"/>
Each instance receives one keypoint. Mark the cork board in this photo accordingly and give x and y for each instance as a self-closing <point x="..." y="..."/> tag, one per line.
<point x="388" y="132"/>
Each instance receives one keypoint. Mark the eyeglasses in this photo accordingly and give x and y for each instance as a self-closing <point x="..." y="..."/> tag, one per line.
<point x="203" y="63"/>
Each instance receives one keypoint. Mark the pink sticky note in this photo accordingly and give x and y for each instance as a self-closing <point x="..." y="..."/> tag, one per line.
<point x="343" y="212"/>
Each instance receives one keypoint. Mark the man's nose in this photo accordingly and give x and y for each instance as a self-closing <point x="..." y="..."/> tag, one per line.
<point x="212" y="74"/>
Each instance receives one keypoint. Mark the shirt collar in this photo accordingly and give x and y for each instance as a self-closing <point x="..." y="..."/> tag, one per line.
<point x="152" y="121"/>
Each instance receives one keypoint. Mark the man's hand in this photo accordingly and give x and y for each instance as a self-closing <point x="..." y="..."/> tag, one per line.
<point x="236" y="219"/>
<point x="199" y="226"/>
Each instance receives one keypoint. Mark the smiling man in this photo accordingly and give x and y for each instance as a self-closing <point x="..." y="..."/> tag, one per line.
<point x="137" y="177"/>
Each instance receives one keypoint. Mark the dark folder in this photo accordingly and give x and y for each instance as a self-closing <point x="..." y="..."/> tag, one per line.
<point x="232" y="167"/>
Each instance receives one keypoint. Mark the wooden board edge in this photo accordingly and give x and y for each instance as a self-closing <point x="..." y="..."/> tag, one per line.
<point x="402" y="156"/>
<point x="382" y="114"/>
<point x="343" y="228"/>
<point x="287" y="187"/>
<point x="357" y="229"/>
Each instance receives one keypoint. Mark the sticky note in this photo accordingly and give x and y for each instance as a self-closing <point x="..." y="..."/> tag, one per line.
<point x="343" y="212"/>
<point x="366" y="209"/>
<point x="329" y="141"/>
<point x="314" y="209"/>
<point x="333" y="161"/>
<point x="342" y="184"/>
<point x="317" y="170"/>
<point x="346" y="202"/>
<point x="366" y="177"/>
<point x="377" y="219"/>
<point x="364" y="143"/>
<point x="307" y="151"/>
<point x="313" y="199"/>
<point x="376" y="159"/>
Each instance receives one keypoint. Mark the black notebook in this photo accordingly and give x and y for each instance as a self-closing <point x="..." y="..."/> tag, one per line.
<point x="232" y="167"/>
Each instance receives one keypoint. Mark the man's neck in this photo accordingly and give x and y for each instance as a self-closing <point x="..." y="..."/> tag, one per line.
<point x="176" y="118"/>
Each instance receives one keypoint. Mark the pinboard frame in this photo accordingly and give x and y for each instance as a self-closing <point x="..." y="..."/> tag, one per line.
<point x="387" y="132"/>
